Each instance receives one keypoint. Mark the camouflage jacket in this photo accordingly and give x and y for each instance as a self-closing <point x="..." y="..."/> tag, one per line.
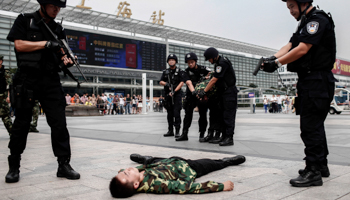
<point x="201" y="85"/>
<point x="173" y="175"/>
<point x="8" y="79"/>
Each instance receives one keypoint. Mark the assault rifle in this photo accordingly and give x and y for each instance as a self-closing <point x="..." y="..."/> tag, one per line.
<point x="69" y="54"/>
<point x="171" y="89"/>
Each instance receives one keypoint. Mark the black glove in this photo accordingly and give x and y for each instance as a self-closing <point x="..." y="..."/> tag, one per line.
<point x="194" y="93"/>
<point x="53" y="45"/>
<point x="201" y="94"/>
<point x="270" y="58"/>
<point x="270" y="65"/>
<point x="167" y="84"/>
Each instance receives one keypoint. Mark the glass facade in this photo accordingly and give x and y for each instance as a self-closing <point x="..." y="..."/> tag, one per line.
<point x="244" y="66"/>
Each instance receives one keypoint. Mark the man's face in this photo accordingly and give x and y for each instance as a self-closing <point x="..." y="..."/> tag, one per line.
<point x="1" y="62"/>
<point x="130" y="174"/>
<point x="211" y="61"/>
<point x="52" y="10"/>
<point x="171" y="62"/>
<point x="191" y="64"/>
<point x="293" y="8"/>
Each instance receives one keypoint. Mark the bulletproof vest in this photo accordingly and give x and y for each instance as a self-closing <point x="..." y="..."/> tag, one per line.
<point x="195" y="74"/>
<point x="2" y="80"/>
<point x="174" y="77"/>
<point x="40" y="58"/>
<point x="320" y="57"/>
<point x="230" y="76"/>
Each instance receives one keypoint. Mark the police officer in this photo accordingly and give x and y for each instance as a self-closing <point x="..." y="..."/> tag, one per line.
<point x="194" y="73"/>
<point x="173" y="79"/>
<point x="5" y="81"/>
<point x="311" y="53"/>
<point x="224" y="79"/>
<point x="37" y="78"/>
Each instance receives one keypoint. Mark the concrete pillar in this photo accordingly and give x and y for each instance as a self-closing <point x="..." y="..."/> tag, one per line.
<point x="151" y="95"/>
<point x="144" y="92"/>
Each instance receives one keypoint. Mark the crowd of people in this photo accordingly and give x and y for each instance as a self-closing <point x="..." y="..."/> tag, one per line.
<point x="110" y="104"/>
<point x="278" y="104"/>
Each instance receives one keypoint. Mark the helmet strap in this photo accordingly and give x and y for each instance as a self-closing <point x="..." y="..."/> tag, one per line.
<point x="302" y="13"/>
<point x="43" y="10"/>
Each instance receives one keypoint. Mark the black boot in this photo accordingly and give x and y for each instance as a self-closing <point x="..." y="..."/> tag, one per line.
<point x="184" y="136"/>
<point x="234" y="160"/>
<point x="323" y="169"/>
<point x="227" y="141"/>
<point x="169" y="133"/>
<point x="65" y="170"/>
<point x="208" y="137"/>
<point x="12" y="175"/>
<point x="311" y="176"/>
<point x="217" y="139"/>
<point x="201" y="135"/>
<point x="177" y="133"/>
<point x="33" y="129"/>
<point x="139" y="159"/>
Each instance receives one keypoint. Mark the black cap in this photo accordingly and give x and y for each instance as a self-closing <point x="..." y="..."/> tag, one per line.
<point x="172" y="56"/>
<point x="191" y="56"/>
<point x="211" y="53"/>
<point x="59" y="3"/>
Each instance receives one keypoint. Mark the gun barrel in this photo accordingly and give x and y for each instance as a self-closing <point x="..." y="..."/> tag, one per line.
<point x="258" y="66"/>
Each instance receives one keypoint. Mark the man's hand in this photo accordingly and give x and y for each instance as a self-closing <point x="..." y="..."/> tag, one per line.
<point x="8" y="99"/>
<point x="167" y="84"/>
<point x="269" y="65"/>
<point x="228" y="185"/>
<point x="200" y="94"/>
<point x="171" y="94"/>
<point x="194" y="93"/>
<point x="53" y="45"/>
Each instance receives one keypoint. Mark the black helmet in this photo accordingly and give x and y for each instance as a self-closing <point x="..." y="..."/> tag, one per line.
<point x="191" y="56"/>
<point x="301" y="1"/>
<point x="59" y="3"/>
<point x="210" y="53"/>
<point x="172" y="56"/>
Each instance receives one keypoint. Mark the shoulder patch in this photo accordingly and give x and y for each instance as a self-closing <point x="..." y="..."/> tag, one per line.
<point x="312" y="27"/>
<point x="218" y="69"/>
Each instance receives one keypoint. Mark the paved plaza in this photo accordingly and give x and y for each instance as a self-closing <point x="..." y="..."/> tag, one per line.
<point x="102" y="145"/>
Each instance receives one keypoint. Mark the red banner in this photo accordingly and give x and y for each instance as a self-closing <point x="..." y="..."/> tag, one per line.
<point x="341" y="67"/>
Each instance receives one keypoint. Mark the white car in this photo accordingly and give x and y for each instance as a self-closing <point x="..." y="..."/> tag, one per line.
<point x="340" y="101"/>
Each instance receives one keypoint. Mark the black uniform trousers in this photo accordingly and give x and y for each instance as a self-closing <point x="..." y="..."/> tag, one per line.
<point x="173" y="111"/>
<point x="201" y="166"/>
<point x="229" y="105"/>
<point x="48" y="90"/>
<point x="192" y="102"/>
<point x="315" y="93"/>
<point x="215" y="114"/>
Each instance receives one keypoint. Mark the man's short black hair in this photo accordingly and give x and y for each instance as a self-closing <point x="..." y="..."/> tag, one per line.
<point x="120" y="190"/>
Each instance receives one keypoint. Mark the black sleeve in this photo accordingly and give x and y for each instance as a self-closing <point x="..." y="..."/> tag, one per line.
<point x="18" y="30"/>
<point x="183" y="76"/>
<point x="313" y="32"/>
<point x="163" y="78"/>
<point x="186" y="76"/>
<point x="220" y="70"/>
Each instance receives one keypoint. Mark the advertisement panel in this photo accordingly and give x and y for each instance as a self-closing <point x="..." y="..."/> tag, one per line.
<point x="341" y="67"/>
<point x="109" y="51"/>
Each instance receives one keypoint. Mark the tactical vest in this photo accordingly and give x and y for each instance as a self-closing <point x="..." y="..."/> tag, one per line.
<point x="196" y="75"/>
<point x="230" y="76"/>
<point x="35" y="59"/>
<point x="175" y="77"/>
<point x="320" y="57"/>
<point x="2" y="80"/>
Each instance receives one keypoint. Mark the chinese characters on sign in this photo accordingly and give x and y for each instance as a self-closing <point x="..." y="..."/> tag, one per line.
<point x="83" y="6"/>
<point x="126" y="12"/>
<point x="160" y="21"/>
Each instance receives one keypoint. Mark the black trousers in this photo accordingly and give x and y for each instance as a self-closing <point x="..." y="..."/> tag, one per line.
<point x="201" y="166"/>
<point x="192" y="102"/>
<point x="215" y="114"/>
<point x="49" y="92"/>
<point x="315" y="93"/>
<point x="173" y="111"/>
<point x="229" y="104"/>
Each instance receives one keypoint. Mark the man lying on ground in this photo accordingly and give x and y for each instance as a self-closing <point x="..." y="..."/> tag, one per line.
<point x="173" y="175"/>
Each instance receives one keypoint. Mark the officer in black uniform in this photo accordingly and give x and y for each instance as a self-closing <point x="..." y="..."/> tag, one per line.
<point x="173" y="78"/>
<point x="224" y="79"/>
<point x="311" y="52"/>
<point x="37" y="78"/>
<point x="194" y="73"/>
